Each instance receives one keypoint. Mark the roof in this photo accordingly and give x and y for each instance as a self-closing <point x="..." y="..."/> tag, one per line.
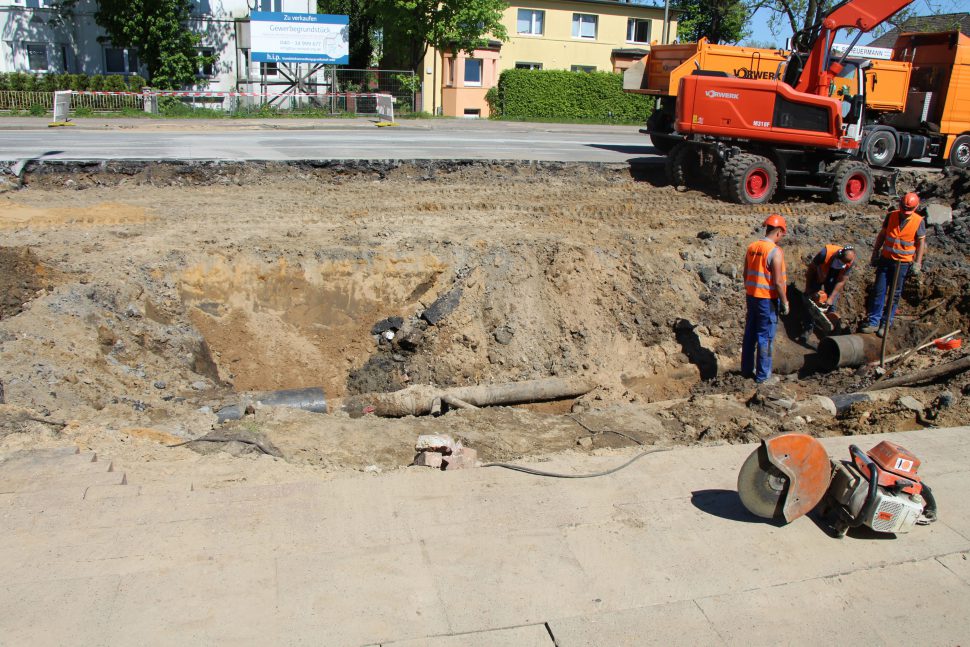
<point x="942" y="22"/>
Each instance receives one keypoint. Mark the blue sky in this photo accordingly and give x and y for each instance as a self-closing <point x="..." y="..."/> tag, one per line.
<point x="761" y="32"/>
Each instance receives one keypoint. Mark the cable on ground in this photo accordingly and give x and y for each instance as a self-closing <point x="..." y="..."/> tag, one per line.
<point x="535" y="472"/>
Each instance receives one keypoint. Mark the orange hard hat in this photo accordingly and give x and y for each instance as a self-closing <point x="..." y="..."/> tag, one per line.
<point x="909" y="202"/>
<point x="774" y="220"/>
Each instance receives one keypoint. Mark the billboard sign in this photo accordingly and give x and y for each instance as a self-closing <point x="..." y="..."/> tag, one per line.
<point x="278" y="37"/>
<point x="864" y="51"/>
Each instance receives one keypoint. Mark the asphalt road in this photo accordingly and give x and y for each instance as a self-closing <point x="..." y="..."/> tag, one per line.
<point x="576" y="145"/>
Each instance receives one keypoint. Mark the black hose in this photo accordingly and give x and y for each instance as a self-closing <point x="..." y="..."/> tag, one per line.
<point x="529" y="470"/>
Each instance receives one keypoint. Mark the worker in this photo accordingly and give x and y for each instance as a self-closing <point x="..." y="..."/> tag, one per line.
<point x="765" y="282"/>
<point x="900" y="244"/>
<point x="825" y="278"/>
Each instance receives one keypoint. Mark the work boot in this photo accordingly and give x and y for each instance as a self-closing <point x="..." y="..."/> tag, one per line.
<point x="803" y="338"/>
<point x="771" y="381"/>
<point x="881" y="332"/>
<point x="867" y="329"/>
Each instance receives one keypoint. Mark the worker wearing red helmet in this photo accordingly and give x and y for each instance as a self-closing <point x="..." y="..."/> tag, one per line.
<point x="766" y="286"/>
<point x="902" y="243"/>
<point x="826" y="276"/>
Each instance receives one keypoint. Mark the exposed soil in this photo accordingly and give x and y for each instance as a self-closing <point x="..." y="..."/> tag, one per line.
<point x="138" y="299"/>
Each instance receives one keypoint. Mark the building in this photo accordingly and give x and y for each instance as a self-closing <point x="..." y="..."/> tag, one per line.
<point x="37" y="36"/>
<point x="578" y="35"/>
<point x="926" y="24"/>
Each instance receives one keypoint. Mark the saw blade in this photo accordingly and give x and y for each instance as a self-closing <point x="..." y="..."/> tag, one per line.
<point x="762" y="486"/>
<point x="819" y="318"/>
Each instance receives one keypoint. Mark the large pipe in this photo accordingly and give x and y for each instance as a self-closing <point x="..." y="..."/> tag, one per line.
<point x="849" y="350"/>
<point x="311" y="399"/>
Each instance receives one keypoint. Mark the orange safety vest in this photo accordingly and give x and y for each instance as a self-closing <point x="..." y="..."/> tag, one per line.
<point x="758" y="279"/>
<point x="826" y="266"/>
<point x="900" y="241"/>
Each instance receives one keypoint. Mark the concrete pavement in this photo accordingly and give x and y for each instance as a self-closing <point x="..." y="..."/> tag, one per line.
<point x="318" y="139"/>
<point x="661" y="553"/>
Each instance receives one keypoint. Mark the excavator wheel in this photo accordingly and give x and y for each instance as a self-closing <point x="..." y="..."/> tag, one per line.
<point x="960" y="152"/>
<point x="880" y="148"/>
<point x="749" y="179"/>
<point x="680" y="161"/>
<point x="852" y="182"/>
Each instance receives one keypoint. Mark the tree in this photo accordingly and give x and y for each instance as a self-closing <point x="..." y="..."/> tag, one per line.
<point x="159" y="29"/>
<point x="720" y="21"/>
<point x="364" y="35"/>
<point x="455" y="25"/>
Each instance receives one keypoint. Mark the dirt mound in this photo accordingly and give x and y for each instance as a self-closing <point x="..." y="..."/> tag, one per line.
<point x="22" y="278"/>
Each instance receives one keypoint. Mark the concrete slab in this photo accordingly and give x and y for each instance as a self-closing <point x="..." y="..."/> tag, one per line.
<point x="866" y="606"/>
<point x="530" y="636"/>
<point x="958" y="564"/>
<point x="358" y="597"/>
<point x="670" y="625"/>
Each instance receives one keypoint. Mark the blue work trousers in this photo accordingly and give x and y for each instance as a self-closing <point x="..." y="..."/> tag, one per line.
<point x="759" y="338"/>
<point x="880" y="290"/>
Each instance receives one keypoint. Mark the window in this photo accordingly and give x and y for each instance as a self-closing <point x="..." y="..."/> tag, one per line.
<point x="584" y="25"/>
<point x="271" y="5"/>
<point x="120" y="61"/>
<point x="206" y="68"/>
<point x="473" y="72"/>
<point x="637" y="30"/>
<point x="583" y="68"/>
<point x="528" y="66"/>
<point x="269" y="69"/>
<point x="472" y="113"/>
<point x="36" y="56"/>
<point x="530" y="22"/>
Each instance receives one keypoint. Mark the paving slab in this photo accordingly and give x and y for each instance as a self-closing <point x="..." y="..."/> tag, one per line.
<point x="671" y="625"/>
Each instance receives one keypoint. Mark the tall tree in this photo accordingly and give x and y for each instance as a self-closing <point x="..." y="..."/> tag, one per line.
<point x="363" y="28"/>
<point x="159" y="29"/>
<point x="456" y="25"/>
<point x="720" y="21"/>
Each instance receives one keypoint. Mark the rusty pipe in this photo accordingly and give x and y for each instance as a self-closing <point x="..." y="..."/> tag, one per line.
<point x="849" y="350"/>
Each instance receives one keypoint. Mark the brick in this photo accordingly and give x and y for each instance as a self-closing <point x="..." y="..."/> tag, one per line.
<point x="429" y="459"/>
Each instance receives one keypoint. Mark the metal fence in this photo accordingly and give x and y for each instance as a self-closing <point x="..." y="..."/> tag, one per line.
<point x="331" y="91"/>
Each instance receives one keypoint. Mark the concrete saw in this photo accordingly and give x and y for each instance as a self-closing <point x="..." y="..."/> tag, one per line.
<point x="791" y="475"/>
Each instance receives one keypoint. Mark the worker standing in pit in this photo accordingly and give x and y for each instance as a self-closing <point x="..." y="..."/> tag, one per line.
<point x="765" y="282"/>
<point x="825" y="279"/>
<point x="901" y="243"/>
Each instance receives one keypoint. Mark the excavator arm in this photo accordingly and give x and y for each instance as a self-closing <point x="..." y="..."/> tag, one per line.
<point x="864" y="15"/>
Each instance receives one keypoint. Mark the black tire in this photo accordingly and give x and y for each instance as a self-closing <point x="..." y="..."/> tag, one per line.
<point x="852" y="183"/>
<point x="960" y="152"/>
<point x="678" y="164"/>
<point x="880" y="148"/>
<point x="748" y="179"/>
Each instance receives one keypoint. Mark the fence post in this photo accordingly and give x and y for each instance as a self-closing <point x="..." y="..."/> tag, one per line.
<point x="150" y="100"/>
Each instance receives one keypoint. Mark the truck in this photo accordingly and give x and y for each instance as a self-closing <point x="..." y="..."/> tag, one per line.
<point x="817" y="121"/>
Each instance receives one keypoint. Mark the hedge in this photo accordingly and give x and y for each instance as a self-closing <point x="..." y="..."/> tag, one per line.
<point x="18" y="81"/>
<point x="558" y="94"/>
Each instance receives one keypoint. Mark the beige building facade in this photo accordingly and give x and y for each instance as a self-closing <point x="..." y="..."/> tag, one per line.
<point x="577" y="35"/>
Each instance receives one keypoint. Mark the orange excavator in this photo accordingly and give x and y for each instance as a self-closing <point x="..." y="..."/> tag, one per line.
<point x="755" y="136"/>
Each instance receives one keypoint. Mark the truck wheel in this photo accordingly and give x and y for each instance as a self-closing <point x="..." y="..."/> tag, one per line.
<point x="749" y="179"/>
<point x="960" y="152"/>
<point x="852" y="182"/>
<point x="679" y="164"/>
<point x="881" y="148"/>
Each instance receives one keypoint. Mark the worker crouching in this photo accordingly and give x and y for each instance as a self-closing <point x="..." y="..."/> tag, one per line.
<point x="825" y="278"/>
<point x="898" y="252"/>
<point x="765" y="283"/>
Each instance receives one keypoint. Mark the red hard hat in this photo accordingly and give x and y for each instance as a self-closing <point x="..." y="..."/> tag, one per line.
<point x="774" y="220"/>
<point x="909" y="202"/>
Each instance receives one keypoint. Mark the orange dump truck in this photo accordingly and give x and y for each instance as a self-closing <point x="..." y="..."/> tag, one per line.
<point x="917" y="104"/>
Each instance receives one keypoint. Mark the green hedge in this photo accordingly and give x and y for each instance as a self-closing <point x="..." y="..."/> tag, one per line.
<point x="18" y="81"/>
<point x="558" y="94"/>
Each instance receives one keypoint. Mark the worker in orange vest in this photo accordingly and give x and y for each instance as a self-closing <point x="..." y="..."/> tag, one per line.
<point x="825" y="279"/>
<point x="766" y="285"/>
<point x="901" y="243"/>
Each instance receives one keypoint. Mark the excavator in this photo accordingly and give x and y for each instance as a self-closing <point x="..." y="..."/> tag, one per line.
<point x="754" y="136"/>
